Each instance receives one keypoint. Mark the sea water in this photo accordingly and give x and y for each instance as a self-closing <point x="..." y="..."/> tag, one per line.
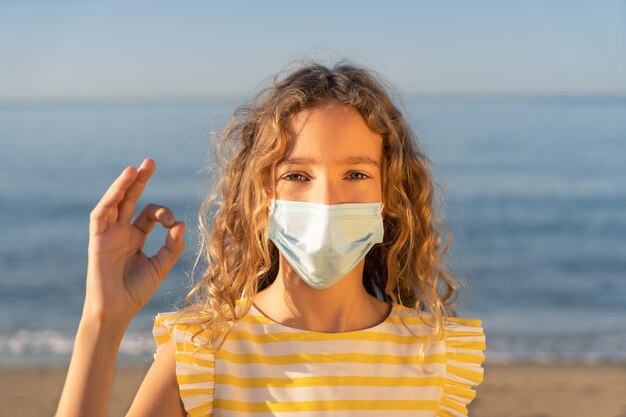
<point x="534" y="194"/>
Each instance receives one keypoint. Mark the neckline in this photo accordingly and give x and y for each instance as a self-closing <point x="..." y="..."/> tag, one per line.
<point x="271" y="321"/>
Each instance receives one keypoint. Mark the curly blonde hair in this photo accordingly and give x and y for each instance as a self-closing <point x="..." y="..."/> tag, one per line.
<point x="235" y="254"/>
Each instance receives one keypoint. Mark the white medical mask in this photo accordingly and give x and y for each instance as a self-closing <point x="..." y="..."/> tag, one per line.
<point x="322" y="242"/>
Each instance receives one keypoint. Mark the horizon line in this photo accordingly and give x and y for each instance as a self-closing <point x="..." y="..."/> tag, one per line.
<point x="236" y="96"/>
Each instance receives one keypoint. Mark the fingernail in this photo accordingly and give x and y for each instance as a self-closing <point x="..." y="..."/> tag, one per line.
<point x="168" y="218"/>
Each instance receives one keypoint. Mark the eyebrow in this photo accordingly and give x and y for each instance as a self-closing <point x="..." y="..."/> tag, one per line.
<point x="352" y="160"/>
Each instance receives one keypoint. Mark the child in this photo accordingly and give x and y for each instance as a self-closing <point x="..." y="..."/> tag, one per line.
<point x="324" y="291"/>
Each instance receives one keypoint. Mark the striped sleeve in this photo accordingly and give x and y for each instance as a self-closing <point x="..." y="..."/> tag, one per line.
<point x="194" y="367"/>
<point x="465" y="346"/>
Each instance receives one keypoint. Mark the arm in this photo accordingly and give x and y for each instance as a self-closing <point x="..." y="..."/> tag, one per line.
<point x="159" y="393"/>
<point x="88" y="382"/>
<point x="120" y="281"/>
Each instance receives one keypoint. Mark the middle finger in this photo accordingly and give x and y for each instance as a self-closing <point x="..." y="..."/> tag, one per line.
<point x="127" y="205"/>
<point x="150" y="215"/>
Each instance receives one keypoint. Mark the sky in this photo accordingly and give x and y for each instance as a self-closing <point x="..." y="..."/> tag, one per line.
<point x="52" y="49"/>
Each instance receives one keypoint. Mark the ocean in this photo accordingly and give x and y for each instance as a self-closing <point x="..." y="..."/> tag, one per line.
<point x="534" y="190"/>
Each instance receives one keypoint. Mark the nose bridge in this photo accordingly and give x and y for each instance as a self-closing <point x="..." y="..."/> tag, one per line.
<point x="327" y="189"/>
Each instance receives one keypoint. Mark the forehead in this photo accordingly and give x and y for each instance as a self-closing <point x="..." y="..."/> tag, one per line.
<point x="332" y="131"/>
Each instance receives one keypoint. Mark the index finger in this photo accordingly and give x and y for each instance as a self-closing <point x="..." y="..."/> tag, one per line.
<point x="111" y="198"/>
<point x="127" y="205"/>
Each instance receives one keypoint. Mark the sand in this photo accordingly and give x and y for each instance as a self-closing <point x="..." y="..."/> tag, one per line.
<point x="521" y="390"/>
<point x="35" y="391"/>
<point x="552" y="390"/>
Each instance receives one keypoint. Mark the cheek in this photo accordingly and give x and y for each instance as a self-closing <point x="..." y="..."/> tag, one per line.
<point x="285" y="190"/>
<point x="369" y="191"/>
<point x="377" y="190"/>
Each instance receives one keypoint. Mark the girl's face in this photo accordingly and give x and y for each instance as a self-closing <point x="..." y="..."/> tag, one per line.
<point x="333" y="158"/>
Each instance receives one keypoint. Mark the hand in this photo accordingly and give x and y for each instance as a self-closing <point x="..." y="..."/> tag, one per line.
<point x="120" y="277"/>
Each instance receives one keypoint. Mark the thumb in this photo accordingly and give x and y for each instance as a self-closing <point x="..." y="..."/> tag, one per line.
<point x="171" y="251"/>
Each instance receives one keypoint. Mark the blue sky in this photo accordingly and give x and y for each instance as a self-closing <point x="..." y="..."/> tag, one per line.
<point x="157" y="48"/>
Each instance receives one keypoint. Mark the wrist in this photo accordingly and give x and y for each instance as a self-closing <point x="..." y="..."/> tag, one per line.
<point x="109" y="326"/>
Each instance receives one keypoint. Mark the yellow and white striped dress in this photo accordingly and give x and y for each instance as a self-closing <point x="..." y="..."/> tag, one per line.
<point x="268" y="369"/>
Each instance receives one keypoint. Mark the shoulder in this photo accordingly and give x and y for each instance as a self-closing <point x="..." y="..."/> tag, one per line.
<point x="465" y="334"/>
<point x="462" y="347"/>
<point x="460" y="329"/>
<point x="464" y="338"/>
<point x="182" y="336"/>
<point x="465" y="349"/>
<point x="465" y="355"/>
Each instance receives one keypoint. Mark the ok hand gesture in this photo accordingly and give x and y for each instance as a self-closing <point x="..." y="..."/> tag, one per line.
<point x="121" y="278"/>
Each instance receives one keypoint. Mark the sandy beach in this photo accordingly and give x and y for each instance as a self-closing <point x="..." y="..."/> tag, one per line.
<point x="521" y="390"/>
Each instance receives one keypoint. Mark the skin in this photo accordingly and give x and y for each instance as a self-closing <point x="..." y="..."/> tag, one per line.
<point x="309" y="172"/>
<point x="121" y="278"/>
